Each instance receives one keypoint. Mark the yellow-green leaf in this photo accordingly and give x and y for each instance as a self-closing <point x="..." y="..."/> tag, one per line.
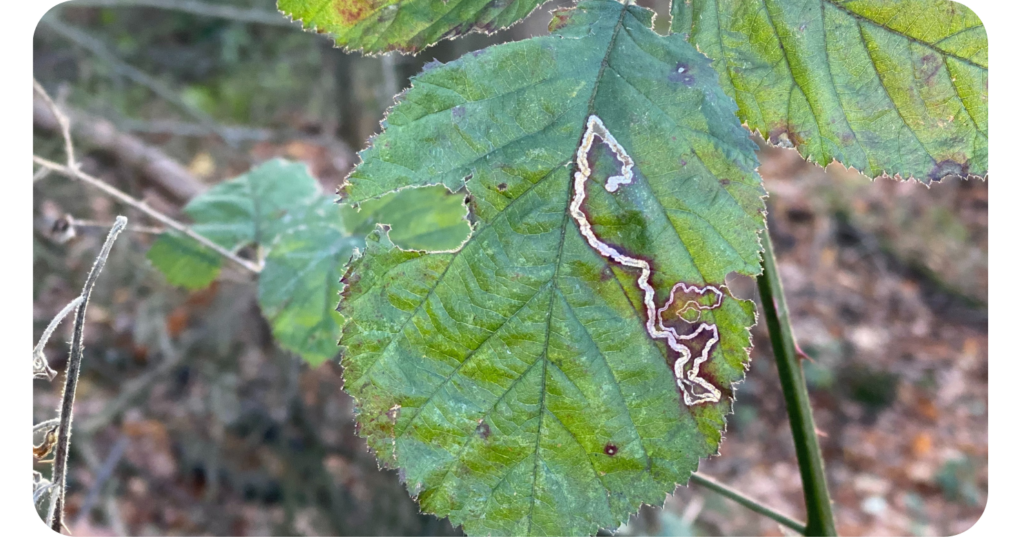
<point x="896" y="88"/>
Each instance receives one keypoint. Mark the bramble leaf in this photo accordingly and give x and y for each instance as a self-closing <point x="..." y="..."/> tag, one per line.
<point x="886" y="87"/>
<point x="299" y="284"/>
<point x="429" y="218"/>
<point x="404" y="25"/>
<point x="279" y="207"/>
<point x="251" y="208"/>
<point x="183" y="261"/>
<point x="577" y="355"/>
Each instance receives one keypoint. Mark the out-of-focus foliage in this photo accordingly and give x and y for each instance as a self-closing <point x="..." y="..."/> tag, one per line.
<point x="304" y="240"/>
<point x="896" y="88"/>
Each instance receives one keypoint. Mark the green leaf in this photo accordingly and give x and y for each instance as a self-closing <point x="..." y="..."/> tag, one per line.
<point x="279" y="207"/>
<point x="404" y="25"/>
<point x="184" y="261"/>
<point x="300" y="283"/>
<point x="256" y="206"/>
<point x="888" y="87"/>
<point x="428" y="218"/>
<point x="516" y="381"/>
<point x="251" y="208"/>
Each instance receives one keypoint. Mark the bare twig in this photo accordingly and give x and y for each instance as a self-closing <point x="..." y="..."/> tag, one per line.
<point x="206" y="9"/>
<point x="62" y="120"/>
<point x="40" y="174"/>
<point x="141" y="206"/>
<point x="75" y="222"/>
<point x="40" y="368"/>
<point x="60" y="461"/>
<point x="96" y="47"/>
<point x="102" y="474"/>
<point x="165" y="172"/>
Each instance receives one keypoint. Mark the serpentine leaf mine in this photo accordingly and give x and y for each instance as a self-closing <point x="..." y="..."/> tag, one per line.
<point x="706" y="333"/>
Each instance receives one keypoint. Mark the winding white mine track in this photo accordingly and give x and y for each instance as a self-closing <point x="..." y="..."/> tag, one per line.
<point x="685" y="379"/>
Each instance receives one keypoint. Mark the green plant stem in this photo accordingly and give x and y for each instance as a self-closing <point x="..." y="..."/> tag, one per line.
<point x="747" y="501"/>
<point x="820" y="520"/>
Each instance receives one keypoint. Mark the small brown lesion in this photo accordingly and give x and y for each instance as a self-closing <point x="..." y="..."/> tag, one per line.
<point x="353" y="11"/>
<point x="483" y="430"/>
<point x="610" y="449"/>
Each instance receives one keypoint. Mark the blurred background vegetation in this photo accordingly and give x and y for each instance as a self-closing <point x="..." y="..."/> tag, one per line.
<point x="189" y="420"/>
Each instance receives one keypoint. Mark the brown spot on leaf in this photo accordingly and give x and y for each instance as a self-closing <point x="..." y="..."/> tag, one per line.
<point x="502" y="187"/>
<point x="930" y="66"/>
<point x="948" y="167"/>
<point x="560" y="17"/>
<point x="483" y="430"/>
<point x="610" y="449"/>
<point x="724" y="182"/>
<point x="353" y="11"/>
<point x="782" y="136"/>
<point x="682" y="73"/>
<point x="348" y="280"/>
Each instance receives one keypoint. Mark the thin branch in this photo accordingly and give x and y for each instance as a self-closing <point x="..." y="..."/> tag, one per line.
<point x="40" y="368"/>
<point x="44" y="425"/>
<point x="747" y="501"/>
<point x="155" y="165"/>
<point x="102" y="474"/>
<point x="206" y="9"/>
<point x="60" y="460"/>
<point x="62" y="120"/>
<point x="40" y="174"/>
<point x="141" y="206"/>
<point x="99" y="49"/>
<point x="820" y="520"/>
<point x="75" y="222"/>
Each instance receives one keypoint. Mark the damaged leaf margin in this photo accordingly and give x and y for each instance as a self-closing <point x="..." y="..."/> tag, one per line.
<point x="513" y="382"/>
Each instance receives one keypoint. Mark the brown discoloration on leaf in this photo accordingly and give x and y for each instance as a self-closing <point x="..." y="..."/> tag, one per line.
<point x="682" y="73"/>
<point x="930" y="66"/>
<point x="611" y="449"/>
<point x="483" y="430"/>
<point x="783" y="136"/>
<point x="559" y="18"/>
<point x="348" y="280"/>
<point x="502" y="187"/>
<point x="946" y="168"/>
<point x="353" y="11"/>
